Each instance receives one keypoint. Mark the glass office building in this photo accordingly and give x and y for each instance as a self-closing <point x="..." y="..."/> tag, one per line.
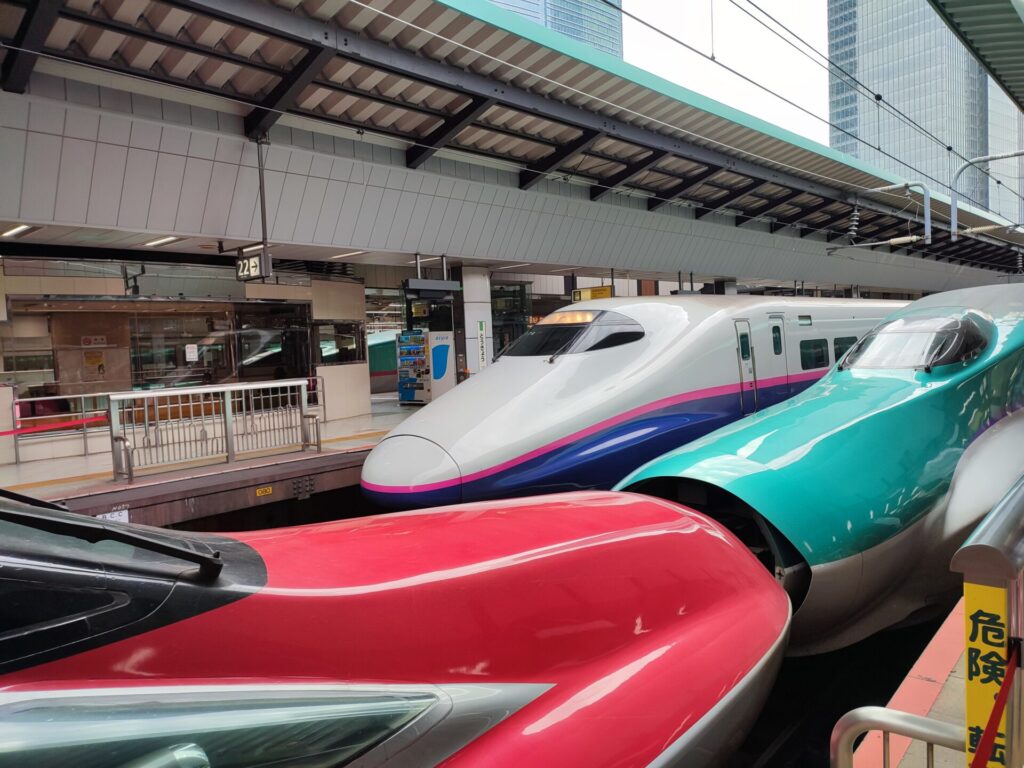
<point x="902" y="51"/>
<point x="593" y="22"/>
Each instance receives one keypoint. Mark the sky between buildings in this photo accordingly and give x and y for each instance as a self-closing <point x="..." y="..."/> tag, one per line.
<point x="744" y="45"/>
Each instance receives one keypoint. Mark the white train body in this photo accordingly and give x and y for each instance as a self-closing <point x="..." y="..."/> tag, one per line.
<point x="642" y="376"/>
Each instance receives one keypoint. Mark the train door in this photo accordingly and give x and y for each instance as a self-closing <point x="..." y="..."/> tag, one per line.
<point x="747" y="366"/>
<point x="772" y="361"/>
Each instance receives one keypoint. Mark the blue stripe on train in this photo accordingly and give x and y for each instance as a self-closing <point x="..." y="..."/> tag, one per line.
<point x="598" y="461"/>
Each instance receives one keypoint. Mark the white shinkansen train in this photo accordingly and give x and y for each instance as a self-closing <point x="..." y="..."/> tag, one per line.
<point x="599" y="388"/>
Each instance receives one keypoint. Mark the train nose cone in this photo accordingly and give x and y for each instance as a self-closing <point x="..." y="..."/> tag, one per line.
<point x="405" y="471"/>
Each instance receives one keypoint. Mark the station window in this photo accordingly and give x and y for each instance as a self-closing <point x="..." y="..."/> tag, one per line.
<point x="814" y="354"/>
<point x="339" y="342"/>
<point x="745" y="346"/>
<point x="841" y="344"/>
<point x="776" y="340"/>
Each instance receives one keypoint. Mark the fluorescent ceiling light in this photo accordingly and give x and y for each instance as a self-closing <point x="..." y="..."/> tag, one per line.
<point x="16" y="230"/>
<point x="424" y="261"/>
<point x="567" y="269"/>
<point x="161" y="241"/>
<point x="343" y="255"/>
<point x="513" y="266"/>
<point x="254" y="247"/>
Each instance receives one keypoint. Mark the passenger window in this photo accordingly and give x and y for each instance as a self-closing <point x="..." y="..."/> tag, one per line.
<point x="776" y="340"/>
<point x="814" y="354"/>
<point x="804" y="319"/>
<point x="744" y="346"/>
<point x="841" y="344"/>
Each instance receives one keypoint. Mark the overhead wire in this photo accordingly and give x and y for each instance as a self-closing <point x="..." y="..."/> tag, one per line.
<point x="623" y="108"/>
<point x="500" y="161"/>
<point x="890" y="108"/>
<point x="774" y="93"/>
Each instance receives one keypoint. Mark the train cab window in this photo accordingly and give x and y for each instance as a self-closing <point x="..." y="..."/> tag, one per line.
<point x="776" y="340"/>
<point x="842" y="343"/>
<point x="814" y="354"/>
<point x="919" y="343"/>
<point x="63" y="581"/>
<point x="574" y="331"/>
<point x="745" y="346"/>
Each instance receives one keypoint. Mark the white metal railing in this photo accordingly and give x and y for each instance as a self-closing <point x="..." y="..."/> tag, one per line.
<point x="66" y="416"/>
<point x="62" y="415"/>
<point x="162" y="428"/>
<point x="855" y="724"/>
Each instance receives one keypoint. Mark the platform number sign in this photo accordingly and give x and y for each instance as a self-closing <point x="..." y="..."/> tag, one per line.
<point x="985" y="660"/>
<point x="252" y="266"/>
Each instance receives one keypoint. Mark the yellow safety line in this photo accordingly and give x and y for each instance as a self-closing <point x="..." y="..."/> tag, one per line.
<point x="378" y="433"/>
<point x="58" y="481"/>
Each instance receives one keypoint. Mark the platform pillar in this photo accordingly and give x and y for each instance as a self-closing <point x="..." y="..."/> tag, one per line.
<point x="476" y="295"/>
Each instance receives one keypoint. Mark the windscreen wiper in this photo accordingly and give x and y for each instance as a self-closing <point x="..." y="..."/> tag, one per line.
<point x="562" y="348"/>
<point x="92" y="530"/>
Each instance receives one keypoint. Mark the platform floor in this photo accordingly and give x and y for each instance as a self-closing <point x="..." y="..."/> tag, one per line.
<point x="80" y="475"/>
<point x="933" y="688"/>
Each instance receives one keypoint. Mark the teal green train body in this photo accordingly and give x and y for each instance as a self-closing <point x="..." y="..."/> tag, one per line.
<point x="855" y="478"/>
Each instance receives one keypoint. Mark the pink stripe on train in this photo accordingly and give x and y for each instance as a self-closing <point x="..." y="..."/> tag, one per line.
<point x="697" y="394"/>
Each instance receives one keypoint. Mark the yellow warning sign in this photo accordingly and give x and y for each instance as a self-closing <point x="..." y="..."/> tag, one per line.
<point x="985" y="660"/>
<point x="597" y="292"/>
<point x="266" y="490"/>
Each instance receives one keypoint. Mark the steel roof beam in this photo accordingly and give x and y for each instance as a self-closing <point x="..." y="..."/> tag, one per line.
<point x="632" y="169"/>
<point x="962" y="253"/>
<point x="835" y="218"/>
<point x="181" y="44"/>
<point x="773" y="203"/>
<point x="31" y="36"/>
<point x="283" y="95"/>
<point x="241" y="61"/>
<point x="677" y="190"/>
<point x="279" y="23"/>
<point x="534" y="172"/>
<point x="427" y="147"/>
<point x="803" y="213"/>
<point x="990" y="255"/>
<point x="724" y="202"/>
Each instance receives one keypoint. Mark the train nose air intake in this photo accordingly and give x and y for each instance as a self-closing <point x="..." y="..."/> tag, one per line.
<point x="407" y="471"/>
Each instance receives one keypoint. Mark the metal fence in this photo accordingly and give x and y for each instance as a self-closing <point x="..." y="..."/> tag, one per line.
<point x="64" y="416"/>
<point x="855" y="724"/>
<point x="58" y="415"/>
<point x="163" y="428"/>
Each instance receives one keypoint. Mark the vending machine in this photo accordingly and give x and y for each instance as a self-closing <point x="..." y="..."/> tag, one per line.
<point x="413" y="368"/>
<point x="426" y="349"/>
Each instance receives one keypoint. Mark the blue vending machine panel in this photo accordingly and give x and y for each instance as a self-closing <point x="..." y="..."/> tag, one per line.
<point x="413" y="367"/>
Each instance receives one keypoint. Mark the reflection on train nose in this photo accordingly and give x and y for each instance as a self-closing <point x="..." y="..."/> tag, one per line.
<point x="407" y="471"/>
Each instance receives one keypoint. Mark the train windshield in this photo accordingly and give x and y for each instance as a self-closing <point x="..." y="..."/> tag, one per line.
<point x="573" y="331"/>
<point x="918" y="343"/>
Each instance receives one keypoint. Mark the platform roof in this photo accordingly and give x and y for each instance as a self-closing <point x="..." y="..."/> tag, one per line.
<point x="469" y="77"/>
<point x="993" y="31"/>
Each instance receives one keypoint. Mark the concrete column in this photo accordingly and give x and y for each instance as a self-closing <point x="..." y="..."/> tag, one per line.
<point x="476" y="297"/>
<point x="347" y="387"/>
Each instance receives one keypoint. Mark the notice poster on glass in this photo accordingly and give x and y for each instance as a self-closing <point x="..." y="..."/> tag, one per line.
<point x="94" y="366"/>
<point x="191" y="353"/>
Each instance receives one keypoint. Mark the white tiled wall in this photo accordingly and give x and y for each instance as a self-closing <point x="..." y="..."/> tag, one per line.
<point x="73" y="153"/>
